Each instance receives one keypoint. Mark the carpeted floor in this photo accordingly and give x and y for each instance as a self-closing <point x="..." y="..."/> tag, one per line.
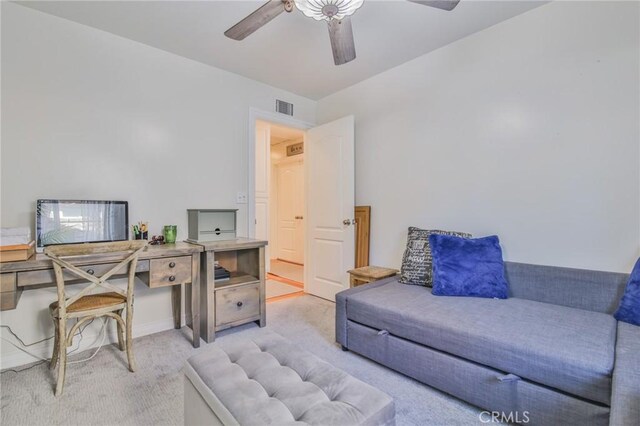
<point x="103" y="392"/>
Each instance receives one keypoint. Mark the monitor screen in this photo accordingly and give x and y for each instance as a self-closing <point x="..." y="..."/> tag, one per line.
<point x="80" y="221"/>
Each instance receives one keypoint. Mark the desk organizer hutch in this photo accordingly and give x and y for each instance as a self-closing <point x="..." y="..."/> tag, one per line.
<point x="238" y="300"/>
<point x="211" y="225"/>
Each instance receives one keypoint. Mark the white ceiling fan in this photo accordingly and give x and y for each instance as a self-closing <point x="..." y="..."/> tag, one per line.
<point x="336" y="12"/>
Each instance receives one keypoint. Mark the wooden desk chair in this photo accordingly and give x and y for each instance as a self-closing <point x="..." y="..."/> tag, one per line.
<point x="85" y="306"/>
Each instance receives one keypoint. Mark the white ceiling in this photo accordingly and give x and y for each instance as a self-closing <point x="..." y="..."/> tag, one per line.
<point x="291" y="52"/>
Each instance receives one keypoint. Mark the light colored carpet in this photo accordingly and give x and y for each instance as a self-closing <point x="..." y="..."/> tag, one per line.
<point x="103" y="392"/>
<point x="287" y="270"/>
<point x="276" y="288"/>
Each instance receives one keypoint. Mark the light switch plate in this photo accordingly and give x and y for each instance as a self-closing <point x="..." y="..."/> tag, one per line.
<point x="241" y="197"/>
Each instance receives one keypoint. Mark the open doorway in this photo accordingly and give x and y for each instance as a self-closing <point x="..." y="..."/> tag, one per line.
<point x="280" y="206"/>
<point x="328" y="154"/>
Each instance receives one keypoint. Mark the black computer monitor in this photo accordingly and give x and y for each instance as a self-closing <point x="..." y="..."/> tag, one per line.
<point x="80" y="221"/>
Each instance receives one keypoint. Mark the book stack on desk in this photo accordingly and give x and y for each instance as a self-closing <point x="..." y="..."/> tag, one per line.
<point x="221" y="274"/>
<point x="16" y="244"/>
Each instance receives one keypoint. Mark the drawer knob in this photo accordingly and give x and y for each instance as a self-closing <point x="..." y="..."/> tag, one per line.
<point x="172" y="264"/>
<point x="239" y="304"/>
<point x="90" y="271"/>
<point x="172" y="278"/>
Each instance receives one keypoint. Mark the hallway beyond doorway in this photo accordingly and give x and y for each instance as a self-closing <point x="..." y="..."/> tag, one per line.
<point x="288" y="270"/>
<point x="284" y="280"/>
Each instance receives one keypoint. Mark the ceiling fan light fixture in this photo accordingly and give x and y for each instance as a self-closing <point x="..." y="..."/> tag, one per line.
<point x="328" y="9"/>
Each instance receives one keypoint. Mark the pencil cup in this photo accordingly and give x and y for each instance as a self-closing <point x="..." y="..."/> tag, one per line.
<point x="170" y="232"/>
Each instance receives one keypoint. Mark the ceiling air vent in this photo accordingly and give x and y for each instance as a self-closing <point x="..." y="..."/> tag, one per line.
<point x="284" y="107"/>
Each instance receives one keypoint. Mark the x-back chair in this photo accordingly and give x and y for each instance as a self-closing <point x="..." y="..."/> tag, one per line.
<point x="85" y="306"/>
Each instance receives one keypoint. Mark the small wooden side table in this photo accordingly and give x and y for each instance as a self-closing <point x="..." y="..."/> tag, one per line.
<point x="367" y="274"/>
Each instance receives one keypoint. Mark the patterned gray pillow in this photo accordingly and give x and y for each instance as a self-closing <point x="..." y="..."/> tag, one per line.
<point x="417" y="262"/>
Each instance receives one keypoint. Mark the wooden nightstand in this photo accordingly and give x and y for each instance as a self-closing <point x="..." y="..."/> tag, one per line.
<point x="368" y="274"/>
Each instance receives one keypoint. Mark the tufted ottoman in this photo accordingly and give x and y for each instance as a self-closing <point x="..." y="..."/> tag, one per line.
<point x="268" y="380"/>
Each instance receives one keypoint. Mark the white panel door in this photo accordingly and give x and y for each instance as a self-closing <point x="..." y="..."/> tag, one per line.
<point x="290" y="212"/>
<point x="262" y="184"/>
<point x="329" y="159"/>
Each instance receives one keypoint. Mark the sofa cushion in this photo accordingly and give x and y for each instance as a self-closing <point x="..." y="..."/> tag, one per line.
<point x="468" y="267"/>
<point x="565" y="348"/>
<point x="417" y="262"/>
<point x="629" y="309"/>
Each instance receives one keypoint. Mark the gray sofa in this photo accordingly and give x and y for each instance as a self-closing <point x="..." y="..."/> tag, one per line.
<point x="551" y="353"/>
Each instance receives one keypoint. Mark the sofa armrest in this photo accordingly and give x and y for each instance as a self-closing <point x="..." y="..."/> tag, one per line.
<point x="625" y="391"/>
<point x="341" y="307"/>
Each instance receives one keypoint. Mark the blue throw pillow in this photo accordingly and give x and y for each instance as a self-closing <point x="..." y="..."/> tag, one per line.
<point x="468" y="267"/>
<point x="629" y="309"/>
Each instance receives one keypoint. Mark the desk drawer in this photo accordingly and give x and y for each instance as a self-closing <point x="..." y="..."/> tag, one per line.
<point x="169" y="271"/>
<point x="47" y="276"/>
<point x="237" y="304"/>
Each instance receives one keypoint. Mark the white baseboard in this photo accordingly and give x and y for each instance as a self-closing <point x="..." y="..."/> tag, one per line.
<point x="89" y="340"/>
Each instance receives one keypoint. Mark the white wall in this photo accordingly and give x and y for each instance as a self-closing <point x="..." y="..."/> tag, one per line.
<point x="90" y="115"/>
<point x="528" y="130"/>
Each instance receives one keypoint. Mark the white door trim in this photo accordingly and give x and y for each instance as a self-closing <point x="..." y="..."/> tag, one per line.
<point x="272" y="117"/>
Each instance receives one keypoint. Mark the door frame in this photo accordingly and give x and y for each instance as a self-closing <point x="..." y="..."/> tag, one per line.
<point x="271" y="117"/>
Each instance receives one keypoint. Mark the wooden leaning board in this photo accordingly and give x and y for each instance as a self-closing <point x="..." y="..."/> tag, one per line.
<point x="363" y="228"/>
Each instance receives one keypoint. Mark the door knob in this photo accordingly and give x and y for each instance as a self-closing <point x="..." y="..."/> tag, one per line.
<point x="298" y="217"/>
<point x="346" y="222"/>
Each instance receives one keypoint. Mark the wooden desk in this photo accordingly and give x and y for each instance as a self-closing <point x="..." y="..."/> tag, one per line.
<point x="159" y="266"/>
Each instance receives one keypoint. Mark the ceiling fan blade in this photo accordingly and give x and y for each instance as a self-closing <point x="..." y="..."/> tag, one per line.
<point x="342" y="45"/>
<point x="257" y="19"/>
<point x="439" y="4"/>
